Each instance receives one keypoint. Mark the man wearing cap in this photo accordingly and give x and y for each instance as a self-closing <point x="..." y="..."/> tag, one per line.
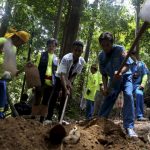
<point x="70" y="65"/>
<point x="140" y="76"/>
<point x="91" y="88"/>
<point x="16" y="39"/>
<point x="47" y="64"/>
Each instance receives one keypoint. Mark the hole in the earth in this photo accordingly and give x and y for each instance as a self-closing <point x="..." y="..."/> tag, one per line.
<point x="56" y="134"/>
<point x="103" y="141"/>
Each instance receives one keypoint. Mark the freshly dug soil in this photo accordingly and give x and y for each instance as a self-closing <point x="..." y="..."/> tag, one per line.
<point x="98" y="134"/>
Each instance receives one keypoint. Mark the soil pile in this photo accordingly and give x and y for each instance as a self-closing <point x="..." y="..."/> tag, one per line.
<point x="98" y="134"/>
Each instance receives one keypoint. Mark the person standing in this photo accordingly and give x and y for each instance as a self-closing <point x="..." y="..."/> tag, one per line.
<point x="70" y="66"/>
<point x="110" y="60"/>
<point x="140" y="76"/>
<point x="92" y="84"/>
<point x="13" y="40"/>
<point x="47" y="65"/>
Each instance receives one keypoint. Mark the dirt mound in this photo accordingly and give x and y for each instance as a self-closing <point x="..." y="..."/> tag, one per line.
<point x="98" y="134"/>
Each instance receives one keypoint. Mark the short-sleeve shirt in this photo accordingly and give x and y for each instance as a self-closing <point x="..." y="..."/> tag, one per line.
<point x="67" y="62"/>
<point x="139" y="69"/>
<point x="92" y="85"/>
<point x="110" y="63"/>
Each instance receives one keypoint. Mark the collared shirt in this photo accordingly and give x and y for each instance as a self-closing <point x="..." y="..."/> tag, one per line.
<point x="139" y="69"/>
<point x="110" y="63"/>
<point x="66" y="64"/>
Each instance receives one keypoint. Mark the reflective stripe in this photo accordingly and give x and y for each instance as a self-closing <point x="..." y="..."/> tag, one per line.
<point x="49" y="69"/>
<point x="1" y="109"/>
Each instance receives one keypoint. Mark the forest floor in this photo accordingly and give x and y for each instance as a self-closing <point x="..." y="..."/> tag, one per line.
<point x="98" y="134"/>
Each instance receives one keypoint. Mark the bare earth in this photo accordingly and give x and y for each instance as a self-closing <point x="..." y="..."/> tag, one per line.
<point x="98" y="134"/>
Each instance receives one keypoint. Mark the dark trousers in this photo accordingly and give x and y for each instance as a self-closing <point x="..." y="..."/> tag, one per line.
<point x="41" y="101"/>
<point x="3" y="95"/>
<point x="47" y="91"/>
<point x="57" y="88"/>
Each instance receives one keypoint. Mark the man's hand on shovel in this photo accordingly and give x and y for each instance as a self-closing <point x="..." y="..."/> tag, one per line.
<point x="117" y="75"/>
<point x="67" y="91"/>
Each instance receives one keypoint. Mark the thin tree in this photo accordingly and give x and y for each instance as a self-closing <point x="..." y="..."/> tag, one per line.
<point x="71" y="25"/>
<point x="6" y="18"/>
<point x="58" y="18"/>
<point x="91" y="30"/>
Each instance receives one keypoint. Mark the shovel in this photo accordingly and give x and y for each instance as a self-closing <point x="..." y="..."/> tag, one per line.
<point x="145" y="16"/>
<point x="64" y="109"/>
<point x="58" y="132"/>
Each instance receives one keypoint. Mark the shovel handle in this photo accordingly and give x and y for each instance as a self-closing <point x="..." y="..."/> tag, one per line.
<point x="64" y="109"/>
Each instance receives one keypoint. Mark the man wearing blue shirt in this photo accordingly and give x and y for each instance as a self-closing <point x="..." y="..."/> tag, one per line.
<point x="110" y="60"/>
<point x="140" y="77"/>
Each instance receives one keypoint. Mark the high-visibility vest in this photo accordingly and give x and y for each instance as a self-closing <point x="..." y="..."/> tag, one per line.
<point x="47" y="65"/>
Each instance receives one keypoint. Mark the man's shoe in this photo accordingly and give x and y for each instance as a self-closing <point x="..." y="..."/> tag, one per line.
<point x="47" y="122"/>
<point x="142" y="119"/>
<point x="65" y="122"/>
<point x="131" y="133"/>
<point x="42" y="118"/>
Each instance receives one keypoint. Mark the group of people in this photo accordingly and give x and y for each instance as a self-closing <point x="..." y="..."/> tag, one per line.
<point x="57" y="79"/>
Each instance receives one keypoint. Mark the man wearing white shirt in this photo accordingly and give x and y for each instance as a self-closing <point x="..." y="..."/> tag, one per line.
<point x="70" y="65"/>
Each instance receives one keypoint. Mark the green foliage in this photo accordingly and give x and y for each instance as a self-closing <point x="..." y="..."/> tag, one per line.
<point x="38" y="17"/>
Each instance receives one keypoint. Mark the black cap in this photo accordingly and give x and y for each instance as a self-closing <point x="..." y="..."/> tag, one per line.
<point x="77" y="43"/>
<point x="51" y="40"/>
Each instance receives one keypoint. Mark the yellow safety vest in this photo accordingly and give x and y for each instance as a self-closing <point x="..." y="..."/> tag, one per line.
<point x="49" y="67"/>
<point x="92" y="85"/>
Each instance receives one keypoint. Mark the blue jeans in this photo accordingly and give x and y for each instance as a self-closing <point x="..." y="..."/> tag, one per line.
<point x="139" y="101"/>
<point x="3" y="95"/>
<point x="128" y="108"/>
<point x="89" y="109"/>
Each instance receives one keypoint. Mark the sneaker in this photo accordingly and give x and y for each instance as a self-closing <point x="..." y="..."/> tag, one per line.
<point x="142" y="119"/>
<point x="42" y="118"/>
<point x="131" y="133"/>
<point x="47" y="122"/>
<point x="65" y="122"/>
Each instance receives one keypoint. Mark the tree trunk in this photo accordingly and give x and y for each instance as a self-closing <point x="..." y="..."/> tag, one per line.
<point x="83" y="80"/>
<point x="71" y="25"/>
<point x="89" y="41"/>
<point x="58" y="18"/>
<point x="137" y="26"/>
<point x="5" y="18"/>
<point x="91" y="30"/>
